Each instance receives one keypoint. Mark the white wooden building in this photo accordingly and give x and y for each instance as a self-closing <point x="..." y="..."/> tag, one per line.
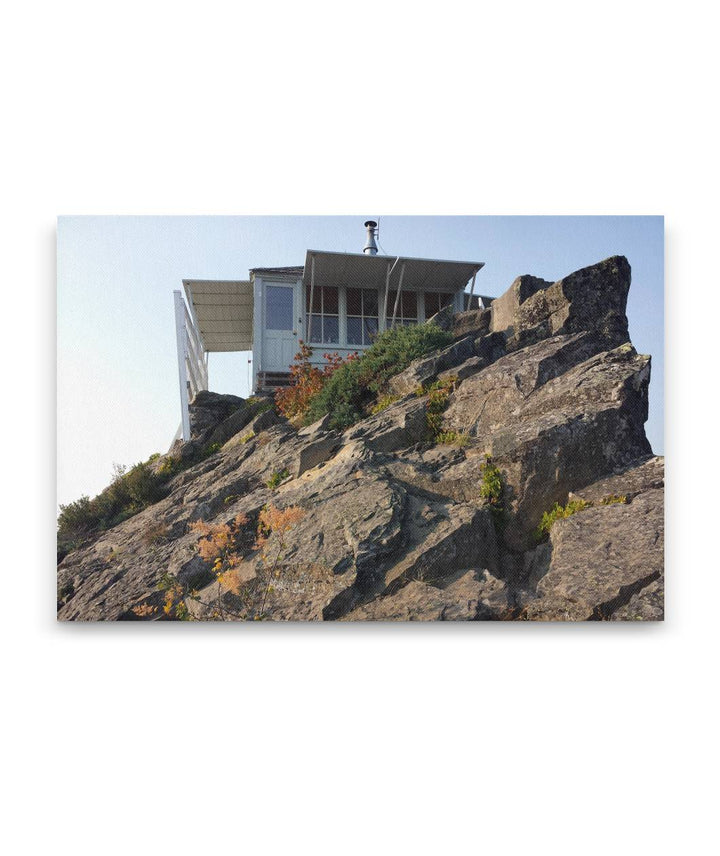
<point x="336" y="302"/>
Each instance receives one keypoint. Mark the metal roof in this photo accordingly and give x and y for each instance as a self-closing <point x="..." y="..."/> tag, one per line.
<point x="357" y="269"/>
<point x="223" y="311"/>
<point x="279" y="271"/>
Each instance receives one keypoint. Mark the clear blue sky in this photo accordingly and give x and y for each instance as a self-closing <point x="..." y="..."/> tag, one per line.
<point x="117" y="366"/>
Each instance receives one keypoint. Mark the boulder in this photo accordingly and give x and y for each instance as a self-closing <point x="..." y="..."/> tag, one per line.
<point x="316" y="451"/>
<point x="426" y="369"/>
<point x="444" y="318"/>
<point x="475" y="321"/>
<point x="475" y="596"/>
<point x="261" y="422"/>
<point x="209" y="409"/>
<point x="601" y="558"/>
<point x="397" y="427"/>
<point x="554" y="420"/>
<point x="504" y="309"/>
<point x="590" y="300"/>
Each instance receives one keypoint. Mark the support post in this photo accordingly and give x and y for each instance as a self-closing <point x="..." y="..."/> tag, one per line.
<point x="472" y="289"/>
<point x="382" y="320"/>
<point x="308" y="331"/>
<point x="181" y="337"/>
<point x="397" y="296"/>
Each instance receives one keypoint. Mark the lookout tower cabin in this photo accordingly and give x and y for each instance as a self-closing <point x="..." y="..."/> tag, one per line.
<point x="336" y="302"/>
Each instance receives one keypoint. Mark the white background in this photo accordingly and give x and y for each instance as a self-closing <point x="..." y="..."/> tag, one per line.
<point x="357" y="739"/>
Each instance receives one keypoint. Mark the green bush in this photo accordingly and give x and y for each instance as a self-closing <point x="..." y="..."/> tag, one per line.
<point x="383" y="403"/>
<point x="492" y="490"/>
<point x="438" y="394"/>
<point x="558" y="512"/>
<point x="614" y="499"/>
<point x="277" y="477"/>
<point x="452" y="438"/>
<point x="131" y="491"/>
<point x="348" y="392"/>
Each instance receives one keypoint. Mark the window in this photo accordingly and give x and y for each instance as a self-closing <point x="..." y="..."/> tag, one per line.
<point x="362" y="316"/>
<point x="325" y="326"/>
<point x="278" y="307"/>
<point x="407" y="311"/>
<point x="437" y="300"/>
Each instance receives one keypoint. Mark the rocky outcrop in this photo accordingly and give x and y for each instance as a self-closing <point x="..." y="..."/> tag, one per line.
<point x="209" y="409"/>
<point x="394" y="526"/>
<point x="605" y="561"/>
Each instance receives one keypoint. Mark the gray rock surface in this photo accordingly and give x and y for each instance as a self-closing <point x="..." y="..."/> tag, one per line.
<point x="393" y="525"/>
<point x="601" y="559"/>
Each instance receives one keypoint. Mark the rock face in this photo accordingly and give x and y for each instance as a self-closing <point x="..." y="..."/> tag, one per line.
<point x="622" y="544"/>
<point x="389" y="525"/>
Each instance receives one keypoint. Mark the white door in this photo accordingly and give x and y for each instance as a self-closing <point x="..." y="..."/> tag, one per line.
<point x="279" y="327"/>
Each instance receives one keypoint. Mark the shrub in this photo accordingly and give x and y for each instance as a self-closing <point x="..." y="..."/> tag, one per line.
<point x="492" y="490"/>
<point x="222" y="546"/>
<point x="277" y="477"/>
<point x="438" y="394"/>
<point x="451" y="438"/>
<point x="353" y="385"/>
<point x="558" y="512"/>
<point x="613" y="498"/>
<point x="306" y="381"/>
<point x="130" y="491"/>
<point x="383" y="403"/>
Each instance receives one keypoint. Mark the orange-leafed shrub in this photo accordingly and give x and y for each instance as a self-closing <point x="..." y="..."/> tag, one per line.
<point x="306" y="381"/>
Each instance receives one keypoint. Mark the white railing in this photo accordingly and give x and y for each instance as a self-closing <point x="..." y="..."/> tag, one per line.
<point x="192" y="361"/>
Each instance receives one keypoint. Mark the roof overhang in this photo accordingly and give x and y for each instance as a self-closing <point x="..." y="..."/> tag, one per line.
<point x="359" y="270"/>
<point x="223" y="312"/>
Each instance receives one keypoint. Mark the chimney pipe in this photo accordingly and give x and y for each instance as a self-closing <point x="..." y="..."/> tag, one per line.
<point x="370" y="248"/>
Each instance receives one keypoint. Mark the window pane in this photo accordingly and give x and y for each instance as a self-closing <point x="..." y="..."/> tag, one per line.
<point x="278" y="307"/>
<point x="446" y="298"/>
<point x="317" y="300"/>
<point x="371" y="328"/>
<point x="370" y="302"/>
<point x="431" y="304"/>
<point x="330" y="300"/>
<point x="409" y="304"/>
<point x="354" y="306"/>
<point x="316" y="330"/>
<point x="354" y="331"/>
<point x="331" y="329"/>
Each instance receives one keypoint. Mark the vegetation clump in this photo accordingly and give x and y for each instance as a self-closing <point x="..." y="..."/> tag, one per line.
<point x="452" y="438"/>
<point x="492" y="491"/>
<point x="130" y="491"/>
<point x="237" y="595"/>
<point x="277" y="477"/>
<point x="558" y="512"/>
<point x="306" y="381"/>
<point x="352" y="386"/>
<point x="438" y="394"/>
<point x="383" y="403"/>
<point x="614" y="499"/>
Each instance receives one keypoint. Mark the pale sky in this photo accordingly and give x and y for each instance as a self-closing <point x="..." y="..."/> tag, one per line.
<point x="118" y="399"/>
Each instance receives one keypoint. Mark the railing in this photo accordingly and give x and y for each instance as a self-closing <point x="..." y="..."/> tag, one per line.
<point x="192" y="361"/>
